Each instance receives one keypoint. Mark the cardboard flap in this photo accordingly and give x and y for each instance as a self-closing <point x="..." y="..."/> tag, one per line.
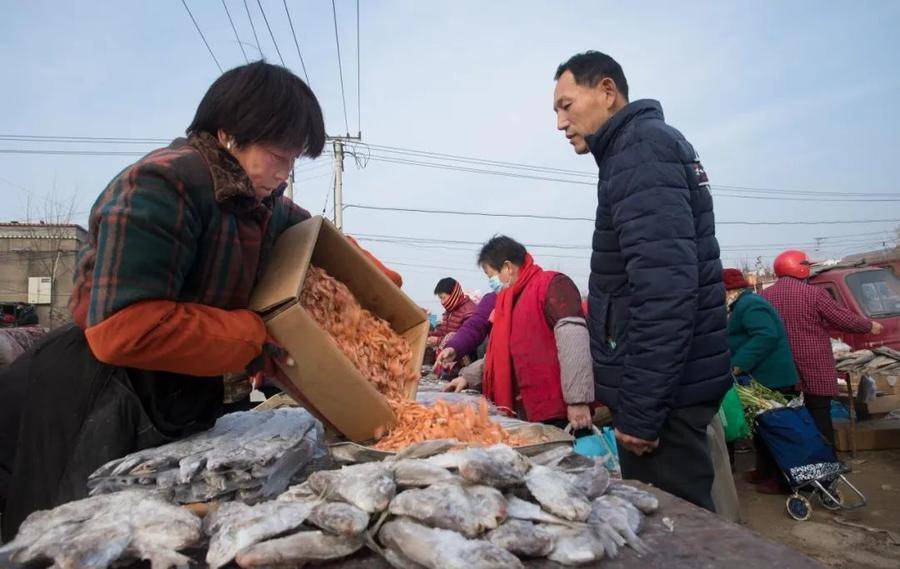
<point x="283" y="278"/>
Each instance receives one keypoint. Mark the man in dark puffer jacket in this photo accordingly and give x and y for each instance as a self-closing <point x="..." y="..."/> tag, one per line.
<point x="656" y="302"/>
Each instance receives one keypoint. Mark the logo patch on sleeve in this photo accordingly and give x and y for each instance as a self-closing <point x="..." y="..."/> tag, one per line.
<point x="700" y="172"/>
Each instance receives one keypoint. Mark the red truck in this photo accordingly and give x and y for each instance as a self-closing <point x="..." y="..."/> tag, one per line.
<point x="872" y="292"/>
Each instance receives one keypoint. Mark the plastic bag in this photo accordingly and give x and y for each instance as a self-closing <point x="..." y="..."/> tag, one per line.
<point x="731" y="412"/>
<point x="601" y="443"/>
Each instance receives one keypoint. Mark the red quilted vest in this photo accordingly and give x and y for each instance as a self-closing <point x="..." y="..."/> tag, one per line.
<point x="534" y="354"/>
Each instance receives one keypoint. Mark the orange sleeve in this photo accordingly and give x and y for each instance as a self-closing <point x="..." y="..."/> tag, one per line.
<point x="393" y="275"/>
<point x="180" y="337"/>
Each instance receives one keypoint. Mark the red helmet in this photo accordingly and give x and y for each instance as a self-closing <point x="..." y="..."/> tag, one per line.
<point x="792" y="263"/>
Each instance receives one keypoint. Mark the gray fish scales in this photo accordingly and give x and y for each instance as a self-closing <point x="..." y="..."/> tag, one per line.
<point x="499" y="465"/>
<point x="417" y="473"/>
<point x="236" y="526"/>
<point x="523" y="538"/>
<point x="99" y="531"/>
<point x="469" y="511"/>
<point x="437" y="548"/>
<point x="557" y="494"/>
<point x="368" y="486"/>
<point x="644" y="501"/>
<point x="594" y="481"/>
<point x="575" y="546"/>
<point x="298" y="549"/>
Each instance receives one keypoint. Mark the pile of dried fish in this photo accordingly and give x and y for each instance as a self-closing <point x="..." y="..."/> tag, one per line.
<point x="475" y="508"/>
<point x="881" y="360"/>
<point x="248" y="456"/>
<point x="102" y="530"/>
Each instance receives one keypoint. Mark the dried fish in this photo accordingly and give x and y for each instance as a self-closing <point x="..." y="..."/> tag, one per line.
<point x="622" y="516"/>
<point x="499" y="465"/>
<point x="397" y="560"/>
<point x="443" y="549"/>
<point x="557" y="494"/>
<point x="523" y="538"/>
<point x="254" y="453"/>
<point x="425" y="449"/>
<point x="642" y="500"/>
<point x="236" y="526"/>
<point x="469" y="511"/>
<point x="575" y="546"/>
<point x="298" y="549"/>
<point x="594" y="481"/>
<point x="339" y="518"/>
<point x="96" y="532"/>
<point x="415" y="473"/>
<point x="368" y="486"/>
<point x="552" y="457"/>
<point x="520" y="509"/>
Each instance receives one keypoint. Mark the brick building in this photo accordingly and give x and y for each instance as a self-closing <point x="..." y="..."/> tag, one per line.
<point x="37" y="263"/>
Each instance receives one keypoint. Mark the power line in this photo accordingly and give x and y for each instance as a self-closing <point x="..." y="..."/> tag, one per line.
<point x="563" y="218"/>
<point x="234" y="29"/>
<point x="253" y="28"/>
<point x="337" y="41"/>
<point x="473" y="213"/>
<point x="184" y="3"/>
<point x="266" y="20"/>
<point x="720" y="190"/>
<point x="296" y="43"/>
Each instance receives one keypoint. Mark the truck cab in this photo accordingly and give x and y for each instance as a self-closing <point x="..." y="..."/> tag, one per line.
<point x="871" y="292"/>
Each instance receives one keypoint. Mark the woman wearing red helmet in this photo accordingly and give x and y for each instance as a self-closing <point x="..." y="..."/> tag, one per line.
<point x="807" y="311"/>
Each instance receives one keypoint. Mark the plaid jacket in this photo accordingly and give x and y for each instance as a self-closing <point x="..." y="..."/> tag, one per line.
<point x="807" y="311"/>
<point x="181" y="224"/>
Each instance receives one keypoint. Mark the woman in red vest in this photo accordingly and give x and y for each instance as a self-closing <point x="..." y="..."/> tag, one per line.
<point x="538" y="363"/>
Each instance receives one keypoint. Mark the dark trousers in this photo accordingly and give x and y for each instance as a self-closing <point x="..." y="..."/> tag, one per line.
<point x="819" y="406"/>
<point x="78" y="413"/>
<point x="681" y="465"/>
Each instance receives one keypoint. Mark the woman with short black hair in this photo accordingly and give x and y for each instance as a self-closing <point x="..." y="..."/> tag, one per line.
<point x="176" y="243"/>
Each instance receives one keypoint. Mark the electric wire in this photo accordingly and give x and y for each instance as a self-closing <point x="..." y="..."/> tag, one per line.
<point x="337" y="42"/>
<point x="296" y="43"/>
<point x="206" y="43"/>
<point x="234" y="29"/>
<point x="253" y="28"/>
<point x="266" y="20"/>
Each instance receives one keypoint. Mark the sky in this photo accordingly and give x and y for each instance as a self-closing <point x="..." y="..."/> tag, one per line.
<point x="785" y="97"/>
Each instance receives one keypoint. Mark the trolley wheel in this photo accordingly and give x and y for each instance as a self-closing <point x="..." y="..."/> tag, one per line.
<point x="828" y="502"/>
<point x="798" y="507"/>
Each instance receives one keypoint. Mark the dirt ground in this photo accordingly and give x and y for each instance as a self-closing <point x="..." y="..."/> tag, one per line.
<point x="877" y="475"/>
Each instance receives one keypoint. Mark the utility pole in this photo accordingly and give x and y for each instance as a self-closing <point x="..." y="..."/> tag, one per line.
<point x="289" y="192"/>
<point x="339" y="183"/>
<point x="338" y="146"/>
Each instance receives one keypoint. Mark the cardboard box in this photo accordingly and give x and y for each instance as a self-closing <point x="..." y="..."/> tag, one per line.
<point x="884" y="384"/>
<point x="870" y="435"/>
<point x="884" y="404"/>
<point x="323" y="380"/>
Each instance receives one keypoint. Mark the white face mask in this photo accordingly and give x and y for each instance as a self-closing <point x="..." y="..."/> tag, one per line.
<point x="496" y="284"/>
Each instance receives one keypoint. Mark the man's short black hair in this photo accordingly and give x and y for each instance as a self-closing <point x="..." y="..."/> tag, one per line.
<point x="499" y="250"/>
<point x="445" y="285"/>
<point x="590" y="67"/>
<point x="262" y="103"/>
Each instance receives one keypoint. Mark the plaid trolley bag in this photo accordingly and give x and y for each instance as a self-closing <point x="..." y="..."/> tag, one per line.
<point x="806" y="460"/>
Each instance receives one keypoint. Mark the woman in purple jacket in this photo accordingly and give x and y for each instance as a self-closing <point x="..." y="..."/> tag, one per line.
<point x="471" y="334"/>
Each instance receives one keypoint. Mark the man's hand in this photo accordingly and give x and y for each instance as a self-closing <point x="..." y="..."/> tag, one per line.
<point x="432" y="341"/>
<point x="877" y="328"/>
<point x="457" y="385"/>
<point x="736" y="371"/>
<point x="579" y="416"/>
<point x="634" y="444"/>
